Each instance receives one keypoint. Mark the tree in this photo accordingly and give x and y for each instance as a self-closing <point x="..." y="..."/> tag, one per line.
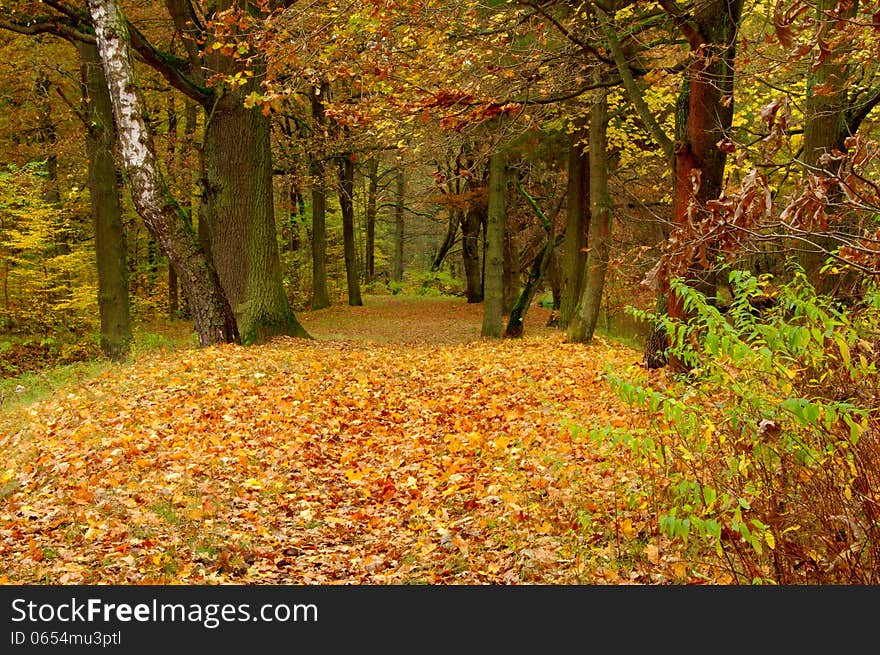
<point x="834" y="110"/>
<point x="493" y="300"/>
<point x="212" y="314"/>
<point x="240" y="199"/>
<point x="346" y="204"/>
<point x="106" y="210"/>
<point x="317" y="174"/>
<point x="577" y="225"/>
<point x="110" y="249"/>
<point x="583" y="323"/>
<point x="399" y="198"/>
<point x="537" y="271"/>
<point x="703" y="120"/>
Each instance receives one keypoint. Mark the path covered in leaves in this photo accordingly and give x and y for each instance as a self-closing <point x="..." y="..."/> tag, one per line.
<point x="396" y="447"/>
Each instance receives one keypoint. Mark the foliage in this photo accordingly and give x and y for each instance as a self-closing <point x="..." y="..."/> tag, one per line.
<point x="407" y="459"/>
<point x="436" y="283"/>
<point x="48" y="284"/>
<point x="769" y="449"/>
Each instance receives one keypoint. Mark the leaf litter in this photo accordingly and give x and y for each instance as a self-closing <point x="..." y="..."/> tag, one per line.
<point x="381" y="452"/>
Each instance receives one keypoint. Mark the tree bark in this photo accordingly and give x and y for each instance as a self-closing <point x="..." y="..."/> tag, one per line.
<point x="699" y="162"/>
<point x="244" y="241"/>
<point x="346" y="203"/>
<point x="238" y="182"/>
<point x="106" y="208"/>
<point x="583" y="324"/>
<point x="455" y="218"/>
<point x="400" y="194"/>
<point x="702" y="121"/>
<point x="471" y="222"/>
<point x="574" y="247"/>
<point x="825" y="130"/>
<point x="493" y="299"/>
<point x="212" y="314"/>
<point x="511" y="273"/>
<point x="372" y="203"/>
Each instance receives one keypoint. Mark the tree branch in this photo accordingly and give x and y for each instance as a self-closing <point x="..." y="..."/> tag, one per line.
<point x="635" y="95"/>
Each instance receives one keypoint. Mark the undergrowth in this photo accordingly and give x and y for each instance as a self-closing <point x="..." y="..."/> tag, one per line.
<point x="766" y="453"/>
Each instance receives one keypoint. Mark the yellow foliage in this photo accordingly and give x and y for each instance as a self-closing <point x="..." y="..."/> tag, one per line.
<point x="47" y="277"/>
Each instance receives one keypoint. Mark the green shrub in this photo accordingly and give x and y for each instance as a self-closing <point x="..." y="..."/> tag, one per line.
<point x="768" y="450"/>
<point x="439" y="283"/>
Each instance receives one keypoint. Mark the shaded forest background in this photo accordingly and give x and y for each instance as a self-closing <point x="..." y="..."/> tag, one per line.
<point x="696" y="178"/>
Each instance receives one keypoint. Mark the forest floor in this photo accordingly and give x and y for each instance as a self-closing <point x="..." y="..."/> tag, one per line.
<point x="397" y="447"/>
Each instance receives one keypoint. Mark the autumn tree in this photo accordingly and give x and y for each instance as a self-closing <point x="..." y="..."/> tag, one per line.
<point x="212" y="314"/>
<point x="106" y="210"/>
<point x="493" y="300"/>
<point x="840" y="95"/>
<point x="238" y="182"/>
<point x="574" y="248"/>
<point x="703" y="119"/>
<point x="586" y="314"/>
<point x="110" y="248"/>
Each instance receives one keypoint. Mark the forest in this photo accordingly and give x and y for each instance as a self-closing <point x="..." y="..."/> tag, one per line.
<point x="440" y="292"/>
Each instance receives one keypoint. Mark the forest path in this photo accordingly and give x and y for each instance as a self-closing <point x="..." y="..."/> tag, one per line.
<point x="383" y="457"/>
<point x="394" y="319"/>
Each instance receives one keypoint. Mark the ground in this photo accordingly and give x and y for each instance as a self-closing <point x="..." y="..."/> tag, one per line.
<point x="396" y="447"/>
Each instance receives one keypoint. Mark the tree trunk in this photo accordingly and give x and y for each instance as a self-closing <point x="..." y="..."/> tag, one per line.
<point x="372" y="202"/>
<point x="511" y="273"/>
<point x="244" y="241"/>
<point x="708" y="120"/>
<point x="471" y="222"/>
<point x="212" y="314"/>
<point x="537" y="271"/>
<point x="574" y="255"/>
<point x="493" y="299"/>
<point x="398" y="225"/>
<point x="320" y="294"/>
<point x="346" y="203"/>
<point x="106" y="209"/>
<point x="703" y="119"/>
<point x="172" y="153"/>
<point x="456" y="216"/>
<point x="825" y="129"/>
<point x="583" y="323"/>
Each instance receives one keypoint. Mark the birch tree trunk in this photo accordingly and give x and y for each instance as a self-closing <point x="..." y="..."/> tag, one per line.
<point x="212" y="314"/>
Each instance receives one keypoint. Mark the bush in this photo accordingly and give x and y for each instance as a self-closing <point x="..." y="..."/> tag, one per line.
<point x="439" y="283"/>
<point x="768" y="451"/>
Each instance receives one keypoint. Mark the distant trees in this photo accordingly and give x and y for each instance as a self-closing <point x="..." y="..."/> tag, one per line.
<point x="635" y="111"/>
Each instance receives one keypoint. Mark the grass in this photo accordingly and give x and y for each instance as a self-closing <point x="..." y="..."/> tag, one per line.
<point x="22" y="390"/>
<point x="18" y="391"/>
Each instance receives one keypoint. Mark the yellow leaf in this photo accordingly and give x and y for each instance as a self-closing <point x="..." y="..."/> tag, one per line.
<point x="680" y="570"/>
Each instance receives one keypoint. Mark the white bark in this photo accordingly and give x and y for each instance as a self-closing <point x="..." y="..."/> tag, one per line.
<point x="212" y="315"/>
<point x="128" y="110"/>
